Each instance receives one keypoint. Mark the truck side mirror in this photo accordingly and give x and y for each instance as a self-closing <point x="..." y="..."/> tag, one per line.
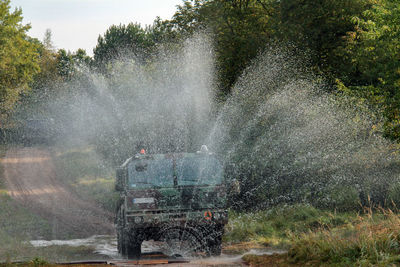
<point x="121" y="176"/>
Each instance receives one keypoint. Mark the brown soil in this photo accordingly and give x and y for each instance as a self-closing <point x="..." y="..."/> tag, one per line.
<point x="31" y="179"/>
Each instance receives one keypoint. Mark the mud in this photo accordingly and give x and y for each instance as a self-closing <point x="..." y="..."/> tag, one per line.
<point x="31" y="179"/>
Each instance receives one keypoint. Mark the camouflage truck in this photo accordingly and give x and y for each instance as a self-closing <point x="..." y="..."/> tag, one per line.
<point x="178" y="199"/>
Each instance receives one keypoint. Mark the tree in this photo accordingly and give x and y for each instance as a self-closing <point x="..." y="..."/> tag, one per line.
<point x="121" y="41"/>
<point x="244" y="28"/>
<point x="81" y="58"/>
<point x="373" y="71"/>
<point x="18" y="59"/>
<point x="318" y="27"/>
<point x="47" y="42"/>
<point x="47" y="62"/>
<point x="240" y="30"/>
<point x="43" y="81"/>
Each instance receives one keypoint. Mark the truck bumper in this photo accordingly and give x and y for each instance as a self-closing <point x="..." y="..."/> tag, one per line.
<point x="153" y="218"/>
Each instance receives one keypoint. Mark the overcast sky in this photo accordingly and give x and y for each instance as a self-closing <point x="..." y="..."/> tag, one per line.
<point x="77" y="23"/>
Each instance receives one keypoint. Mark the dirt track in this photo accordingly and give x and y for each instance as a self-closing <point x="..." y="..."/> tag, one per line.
<point x="31" y="179"/>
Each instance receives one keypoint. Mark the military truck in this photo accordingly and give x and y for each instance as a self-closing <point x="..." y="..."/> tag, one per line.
<point x="177" y="199"/>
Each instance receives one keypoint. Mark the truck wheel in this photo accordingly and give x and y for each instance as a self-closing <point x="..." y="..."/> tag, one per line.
<point x="215" y="246"/>
<point x="134" y="250"/>
<point x="181" y="242"/>
<point x="120" y="224"/>
<point x="119" y="243"/>
<point x="214" y="241"/>
<point x="123" y="243"/>
<point x="131" y="245"/>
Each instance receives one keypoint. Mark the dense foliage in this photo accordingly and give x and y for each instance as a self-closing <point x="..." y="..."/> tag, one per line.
<point x="18" y="59"/>
<point x="122" y="41"/>
<point x="373" y="72"/>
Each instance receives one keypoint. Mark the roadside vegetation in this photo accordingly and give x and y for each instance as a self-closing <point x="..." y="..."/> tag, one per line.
<point x="87" y="174"/>
<point x="319" y="238"/>
<point x="275" y="227"/>
<point x="371" y="240"/>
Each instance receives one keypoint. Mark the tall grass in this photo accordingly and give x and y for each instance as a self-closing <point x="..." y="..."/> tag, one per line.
<point x="371" y="240"/>
<point x="275" y="226"/>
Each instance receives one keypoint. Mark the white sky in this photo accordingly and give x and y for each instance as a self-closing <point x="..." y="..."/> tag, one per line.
<point x="77" y="23"/>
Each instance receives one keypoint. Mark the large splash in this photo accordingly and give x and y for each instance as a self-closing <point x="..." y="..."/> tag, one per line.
<point x="162" y="105"/>
<point x="288" y="141"/>
<point x="281" y="134"/>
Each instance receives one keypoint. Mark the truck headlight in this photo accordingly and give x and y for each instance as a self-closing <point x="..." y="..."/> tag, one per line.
<point x="138" y="219"/>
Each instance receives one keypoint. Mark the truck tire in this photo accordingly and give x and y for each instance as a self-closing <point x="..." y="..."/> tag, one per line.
<point x="134" y="250"/>
<point x="214" y="242"/>
<point x="120" y="224"/>
<point x="215" y="246"/>
<point x="131" y="245"/>
<point x="119" y="242"/>
<point x="181" y="242"/>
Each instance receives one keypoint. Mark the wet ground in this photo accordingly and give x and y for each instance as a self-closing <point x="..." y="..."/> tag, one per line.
<point x="106" y="245"/>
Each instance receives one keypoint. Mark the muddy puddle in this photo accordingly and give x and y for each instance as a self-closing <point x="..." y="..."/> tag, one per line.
<point x="106" y="245"/>
<point x="101" y="244"/>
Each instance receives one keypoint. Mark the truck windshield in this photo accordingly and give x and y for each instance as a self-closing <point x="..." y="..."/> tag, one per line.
<point x="151" y="173"/>
<point x="198" y="170"/>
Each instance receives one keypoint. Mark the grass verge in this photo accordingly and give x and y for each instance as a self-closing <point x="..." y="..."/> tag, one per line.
<point x="275" y="227"/>
<point x="370" y="239"/>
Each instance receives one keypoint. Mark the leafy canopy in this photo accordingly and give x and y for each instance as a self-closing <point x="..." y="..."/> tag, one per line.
<point x="122" y="40"/>
<point x="18" y="58"/>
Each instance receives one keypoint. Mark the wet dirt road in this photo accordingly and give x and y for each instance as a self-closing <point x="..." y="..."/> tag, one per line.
<point x="31" y="179"/>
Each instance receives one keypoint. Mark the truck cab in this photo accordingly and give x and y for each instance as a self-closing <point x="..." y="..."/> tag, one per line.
<point x="178" y="199"/>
